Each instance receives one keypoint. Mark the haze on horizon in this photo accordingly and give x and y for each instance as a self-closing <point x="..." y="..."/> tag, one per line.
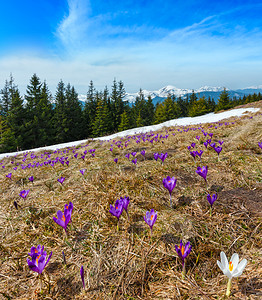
<point x="146" y="44"/>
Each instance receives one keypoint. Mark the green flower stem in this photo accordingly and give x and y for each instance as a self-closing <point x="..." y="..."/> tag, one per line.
<point x="228" y="287"/>
<point x="184" y="270"/>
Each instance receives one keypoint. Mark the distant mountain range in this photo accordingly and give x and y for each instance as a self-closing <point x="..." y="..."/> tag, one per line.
<point x="213" y="92"/>
<point x="162" y="94"/>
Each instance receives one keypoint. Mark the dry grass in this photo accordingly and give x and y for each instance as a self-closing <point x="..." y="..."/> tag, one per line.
<point x="129" y="264"/>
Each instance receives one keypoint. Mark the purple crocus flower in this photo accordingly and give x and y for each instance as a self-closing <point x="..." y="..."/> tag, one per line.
<point x="61" y="179"/>
<point x="156" y="156"/>
<point x="134" y="161"/>
<point x="199" y="153"/>
<point x="183" y="251"/>
<point x="150" y="218"/>
<point x="125" y="202"/>
<point x="188" y="147"/>
<point x="117" y="210"/>
<point x="24" y="193"/>
<point x="193" y="145"/>
<point x="127" y="155"/>
<point x="193" y="154"/>
<point x="39" y="261"/>
<point x="163" y="156"/>
<point x="36" y="250"/>
<point x="202" y="171"/>
<point x="143" y="152"/>
<point x="82" y="171"/>
<point x="82" y="276"/>
<point x="218" y="149"/>
<point x="260" y="144"/>
<point x="133" y="153"/>
<point x="9" y="175"/>
<point x="116" y="160"/>
<point x="220" y="143"/>
<point x="213" y="145"/>
<point x="64" y="218"/>
<point x="31" y="178"/>
<point x="211" y="200"/>
<point x="198" y="137"/>
<point x="169" y="183"/>
<point x="205" y="144"/>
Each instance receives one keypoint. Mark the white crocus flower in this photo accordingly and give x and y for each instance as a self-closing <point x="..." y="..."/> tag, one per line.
<point x="232" y="268"/>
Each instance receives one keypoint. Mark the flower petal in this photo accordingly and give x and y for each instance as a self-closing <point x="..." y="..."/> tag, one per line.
<point x="234" y="259"/>
<point x="224" y="260"/>
<point x="240" y="268"/>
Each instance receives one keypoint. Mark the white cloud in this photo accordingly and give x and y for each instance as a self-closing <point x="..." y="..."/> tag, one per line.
<point x="73" y="27"/>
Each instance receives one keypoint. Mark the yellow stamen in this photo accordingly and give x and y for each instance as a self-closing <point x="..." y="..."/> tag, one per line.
<point x="152" y="217"/>
<point x="37" y="258"/>
<point x="182" y="249"/>
<point x="230" y="266"/>
<point x="67" y="207"/>
<point x="63" y="218"/>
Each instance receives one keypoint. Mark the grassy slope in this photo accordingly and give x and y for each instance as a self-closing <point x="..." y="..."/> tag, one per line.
<point x="128" y="264"/>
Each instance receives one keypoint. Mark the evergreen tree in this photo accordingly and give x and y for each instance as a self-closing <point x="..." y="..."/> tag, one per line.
<point x="74" y="114"/>
<point x="32" y="127"/>
<point x="199" y="107"/>
<point x="223" y="101"/>
<point x="125" y="122"/>
<point x="60" y="116"/>
<point x="13" y="136"/>
<point x="192" y="98"/>
<point x="89" y="112"/>
<point x="160" y="116"/>
<point x="149" y="111"/>
<point x="182" y="106"/>
<point x="6" y="96"/>
<point x="100" y="125"/>
<point x="45" y="114"/>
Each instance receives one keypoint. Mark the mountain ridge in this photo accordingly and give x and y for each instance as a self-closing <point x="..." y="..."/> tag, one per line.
<point x="161" y="94"/>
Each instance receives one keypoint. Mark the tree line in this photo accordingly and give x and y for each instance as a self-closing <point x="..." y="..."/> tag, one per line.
<point x="39" y="119"/>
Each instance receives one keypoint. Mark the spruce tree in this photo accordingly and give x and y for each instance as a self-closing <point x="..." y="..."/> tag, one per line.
<point x="60" y="118"/>
<point x="32" y="127"/>
<point x="125" y="122"/>
<point x="160" y="116"/>
<point x="14" y="135"/>
<point x="74" y="115"/>
<point x="149" y="111"/>
<point x="89" y="112"/>
<point x="223" y="101"/>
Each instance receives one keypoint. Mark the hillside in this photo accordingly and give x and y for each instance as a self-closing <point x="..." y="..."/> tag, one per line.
<point x="129" y="263"/>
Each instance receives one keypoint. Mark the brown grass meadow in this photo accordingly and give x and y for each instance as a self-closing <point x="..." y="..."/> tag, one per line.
<point x="129" y="264"/>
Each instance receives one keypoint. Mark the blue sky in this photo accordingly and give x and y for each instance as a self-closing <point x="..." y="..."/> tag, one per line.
<point x="146" y="44"/>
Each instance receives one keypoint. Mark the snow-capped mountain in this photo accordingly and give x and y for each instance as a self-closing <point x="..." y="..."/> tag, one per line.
<point x="171" y="90"/>
<point x="161" y="94"/>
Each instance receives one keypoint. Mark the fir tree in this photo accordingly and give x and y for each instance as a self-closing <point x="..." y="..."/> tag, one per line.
<point x="32" y="128"/>
<point x="223" y="101"/>
<point x="149" y="112"/>
<point x="89" y="112"/>
<point x="60" y="117"/>
<point x="125" y="122"/>
<point x="74" y="115"/>
<point x="198" y="108"/>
